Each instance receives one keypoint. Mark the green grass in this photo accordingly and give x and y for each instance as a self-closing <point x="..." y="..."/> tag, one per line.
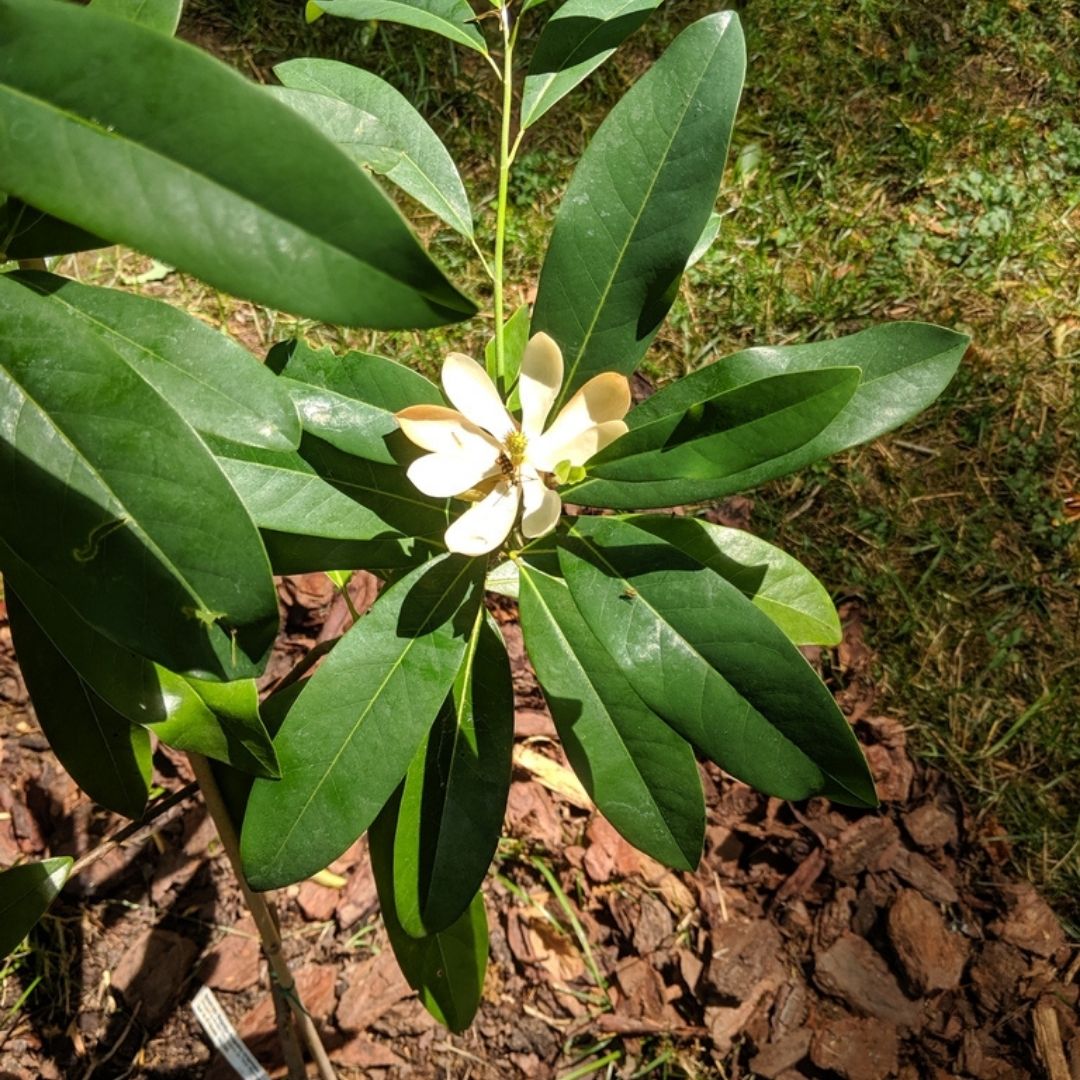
<point x="892" y="159"/>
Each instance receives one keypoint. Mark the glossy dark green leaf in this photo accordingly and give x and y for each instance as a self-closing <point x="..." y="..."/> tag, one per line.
<point x="320" y="509"/>
<point x="26" y="893"/>
<point x="454" y="796"/>
<point x="575" y="41"/>
<point x="106" y="755"/>
<point x="687" y="455"/>
<point x="216" y="385"/>
<point x="236" y="785"/>
<point x="28" y="233"/>
<point x="638" y="202"/>
<point x="452" y="19"/>
<point x="146" y="693"/>
<point x="380" y="129"/>
<point x="712" y="665"/>
<point x="350" y="737"/>
<point x="638" y="771"/>
<point x="133" y="135"/>
<point x="118" y="504"/>
<point x="350" y="401"/>
<point x="160" y="15"/>
<point x="446" y="968"/>
<point x="775" y="582"/>
<point x="905" y="366"/>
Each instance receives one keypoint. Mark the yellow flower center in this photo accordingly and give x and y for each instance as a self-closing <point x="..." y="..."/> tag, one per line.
<point x="515" y="447"/>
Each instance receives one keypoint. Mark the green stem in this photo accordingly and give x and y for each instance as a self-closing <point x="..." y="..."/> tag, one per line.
<point x="505" y="161"/>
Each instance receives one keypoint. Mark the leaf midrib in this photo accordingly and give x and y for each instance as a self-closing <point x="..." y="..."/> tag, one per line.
<point x="347" y="741"/>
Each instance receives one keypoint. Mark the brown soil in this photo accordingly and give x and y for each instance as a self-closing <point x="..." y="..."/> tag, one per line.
<point x="812" y="941"/>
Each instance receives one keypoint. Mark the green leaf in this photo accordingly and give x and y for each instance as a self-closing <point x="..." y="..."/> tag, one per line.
<point x="353" y="732"/>
<point x="236" y="707"/>
<point x="454" y="796"/>
<point x="160" y="15"/>
<point x="350" y="401"/>
<point x="775" y="582"/>
<point x="106" y="755"/>
<point x="26" y="893"/>
<point x="452" y="19"/>
<point x="515" y="338"/>
<point x="712" y="665"/>
<point x="904" y="365"/>
<point x="142" y="692"/>
<point x="687" y="454"/>
<point x="637" y="770"/>
<point x="216" y="385"/>
<point x="118" y="504"/>
<point x="133" y="135"/>
<point x="638" y="202"/>
<point x="575" y="41"/>
<point x="705" y="240"/>
<point x="320" y="509"/>
<point x="446" y="968"/>
<point x="379" y="128"/>
<point x="28" y="233"/>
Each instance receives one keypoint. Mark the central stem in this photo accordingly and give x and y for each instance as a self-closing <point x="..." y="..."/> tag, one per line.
<point x="505" y="160"/>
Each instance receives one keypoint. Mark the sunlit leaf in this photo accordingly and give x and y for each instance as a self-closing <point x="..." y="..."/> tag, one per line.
<point x="575" y="41"/>
<point x="349" y="739"/>
<point x="379" y="128"/>
<point x="136" y="136"/>
<point x="712" y="665"/>
<point x="638" y="201"/>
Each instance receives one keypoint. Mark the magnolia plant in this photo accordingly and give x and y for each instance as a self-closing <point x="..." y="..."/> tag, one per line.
<point x="154" y="474"/>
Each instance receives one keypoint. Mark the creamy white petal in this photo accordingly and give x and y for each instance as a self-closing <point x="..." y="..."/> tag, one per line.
<point x="444" y="475"/>
<point x="584" y="445"/>
<point x="601" y="400"/>
<point x="442" y="430"/>
<point x="468" y="387"/>
<point x="542" y="507"/>
<point x="483" y="527"/>
<point x="539" y="383"/>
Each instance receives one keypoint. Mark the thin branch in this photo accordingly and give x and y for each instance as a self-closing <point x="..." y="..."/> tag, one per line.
<point x="137" y="830"/>
<point x="262" y="913"/>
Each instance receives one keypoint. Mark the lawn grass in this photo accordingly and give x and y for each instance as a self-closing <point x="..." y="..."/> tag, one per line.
<point x="893" y="159"/>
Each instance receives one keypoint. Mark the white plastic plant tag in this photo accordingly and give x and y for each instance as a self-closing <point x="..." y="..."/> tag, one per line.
<point x="222" y="1035"/>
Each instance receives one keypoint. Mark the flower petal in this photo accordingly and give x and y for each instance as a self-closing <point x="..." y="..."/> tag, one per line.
<point x="468" y="387"/>
<point x="542" y="507"/>
<point x="444" y="475"/>
<point x="483" y="527"/>
<point x="539" y="383"/>
<point x="588" y="443"/>
<point x="600" y="404"/>
<point x="442" y="430"/>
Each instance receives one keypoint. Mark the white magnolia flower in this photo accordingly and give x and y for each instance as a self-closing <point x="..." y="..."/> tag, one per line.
<point x="479" y="452"/>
